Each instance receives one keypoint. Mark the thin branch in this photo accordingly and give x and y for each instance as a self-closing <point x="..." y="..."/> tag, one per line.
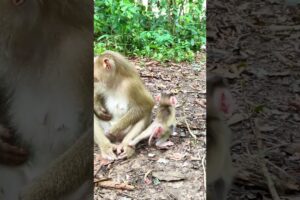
<point x="114" y="185"/>
<point x="266" y="173"/>
<point x="188" y="126"/>
<point x="286" y="61"/>
<point x="146" y="175"/>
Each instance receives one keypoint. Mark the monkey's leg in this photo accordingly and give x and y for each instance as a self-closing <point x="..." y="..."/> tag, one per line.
<point x="228" y="174"/>
<point x="216" y="190"/>
<point x="144" y="135"/>
<point x="66" y="174"/>
<point x="222" y="185"/>
<point x="106" y="147"/>
<point x="125" y="150"/>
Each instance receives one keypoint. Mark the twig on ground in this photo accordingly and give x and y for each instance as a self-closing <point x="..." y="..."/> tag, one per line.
<point x="265" y="171"/>
<point x="127" y="195"/>
<point x="285" y="61"/>
<point x="114" y="185"/>
<point x="280" y="170"/>
<point x="146" y="175"/>
<point x="275" y="147"/>
<point x="149" y="76"/>
<point x="188" y="127"/>
<point x="101" y="179"/>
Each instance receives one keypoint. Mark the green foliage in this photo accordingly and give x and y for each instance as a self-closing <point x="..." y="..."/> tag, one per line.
<point x="163" y="30"/>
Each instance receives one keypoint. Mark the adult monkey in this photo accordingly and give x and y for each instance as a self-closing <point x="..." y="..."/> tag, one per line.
<point x="125" y="98"/>
<point x="46" y="73"/>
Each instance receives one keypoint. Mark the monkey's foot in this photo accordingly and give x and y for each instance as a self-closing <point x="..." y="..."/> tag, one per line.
<point x="125" y="151"/>
<point x="108" y="152"/>
<point x="103" y="115"/>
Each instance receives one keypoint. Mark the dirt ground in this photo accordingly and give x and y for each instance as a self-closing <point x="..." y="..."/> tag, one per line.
<point x="176" y="173"/>
<point x="255" y="45"/>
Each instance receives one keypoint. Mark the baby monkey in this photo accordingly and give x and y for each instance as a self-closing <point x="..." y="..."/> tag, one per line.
<point x="219" y="164"/>
<point x="163" y="125"/>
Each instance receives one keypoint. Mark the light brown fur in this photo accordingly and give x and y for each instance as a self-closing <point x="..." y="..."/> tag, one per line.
<point x="121" y="79"/>
<point x="45" y="65"/>
<point x="219" y="164"/>
<point x="56" y="181"/>
<point x="165" y="119"/>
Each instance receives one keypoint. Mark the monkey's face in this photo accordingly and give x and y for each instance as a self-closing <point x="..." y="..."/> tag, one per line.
<point x="18" y="21"/>
<point x="157" y="134"/>
<point x="160" y="135"/>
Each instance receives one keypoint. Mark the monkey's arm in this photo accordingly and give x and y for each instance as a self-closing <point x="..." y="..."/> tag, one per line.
<point x="133" y="115"/>
<point x="103" y="115"/>
<point x="65" y="174"/>
<point x="141" y="105"/>
<point x="99" y="109"/>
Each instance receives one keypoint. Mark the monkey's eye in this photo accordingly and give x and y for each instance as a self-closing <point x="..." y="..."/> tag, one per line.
<point x="18" y="2"/>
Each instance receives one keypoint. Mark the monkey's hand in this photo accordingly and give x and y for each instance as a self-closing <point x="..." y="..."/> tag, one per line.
<point x="125" y="151"/>
<point x="102" y="114"/>
<point x="108" y="151"/>
<point x="9" y="153"/>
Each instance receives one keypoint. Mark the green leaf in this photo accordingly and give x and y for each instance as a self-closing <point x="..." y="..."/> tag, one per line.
<point x="156" y="181"/>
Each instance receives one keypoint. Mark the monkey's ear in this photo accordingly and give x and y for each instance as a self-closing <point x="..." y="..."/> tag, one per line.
<point x="107" y="63"/>
<point x="173" y="101"/>
<point x="157" y="98"/>
<point x="224" y="101"/>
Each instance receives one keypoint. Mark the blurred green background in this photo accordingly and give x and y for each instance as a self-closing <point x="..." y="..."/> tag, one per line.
<point x="164" y="30"/>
